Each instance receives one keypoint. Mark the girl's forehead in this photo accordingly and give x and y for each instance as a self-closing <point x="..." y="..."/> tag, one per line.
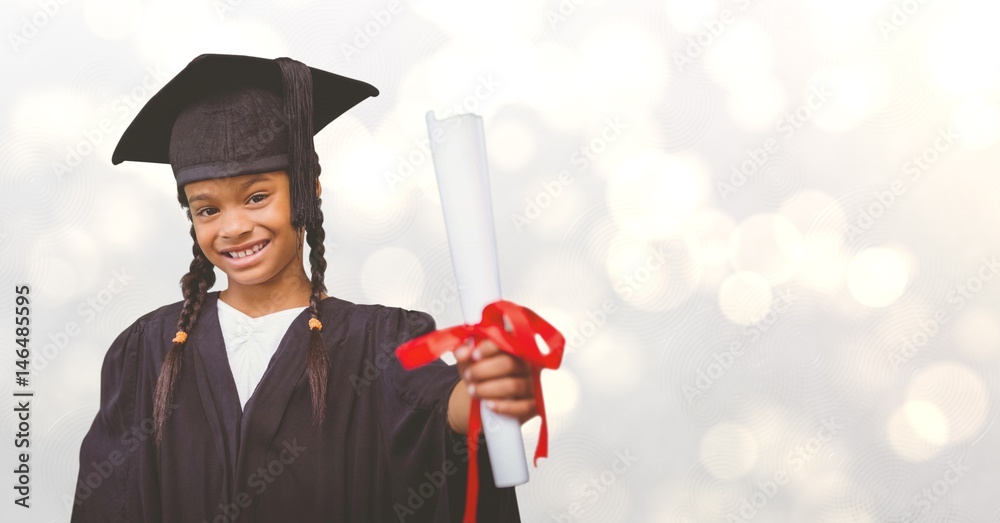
<point x="236" y="184"/>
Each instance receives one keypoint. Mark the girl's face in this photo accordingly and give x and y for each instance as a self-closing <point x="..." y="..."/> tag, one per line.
<point x="243" y="225"/>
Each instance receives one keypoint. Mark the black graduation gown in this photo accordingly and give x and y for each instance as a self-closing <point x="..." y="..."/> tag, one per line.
<point x="384" y="453"/>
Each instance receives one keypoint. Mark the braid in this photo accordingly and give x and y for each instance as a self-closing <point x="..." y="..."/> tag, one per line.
<point x="317" y="361"/>
<point x="194" y="285"/>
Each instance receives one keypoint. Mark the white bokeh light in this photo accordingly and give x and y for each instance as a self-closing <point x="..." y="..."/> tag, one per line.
<point x="824" y="263"/>
<point x="713" y="228"/>
<point x="978" y="333"/>
<point x="60" y="114"/>
<point x="651" y="193"/>
<point x="511" y="144"/>
<point x="112" y="19"/>
<point x="976" y="123"/>
<point x="757" y="104"/>
<point x="562" y="392"/>
<point x="643" y="274"/>
<point x="691" y="16"/>
<point x="877" y="277"/>
<point x="843" y="96"/>
<point x="917" y="430"/>
<point x="611" y="361"/>
<point x="767" y="244"/>
<point x="961" y="51"/>
<point x="625" y="67"/>
<point x="745" y="297"/>
<point x="958" y="392"/>
<point x="743" y="53"/>
<point x="483" y="21"/>
<point x="821" y="221"/>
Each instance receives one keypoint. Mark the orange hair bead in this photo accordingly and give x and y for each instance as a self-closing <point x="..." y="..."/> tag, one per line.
<point x="181" y="337"/>
<point x="315" y="324"/>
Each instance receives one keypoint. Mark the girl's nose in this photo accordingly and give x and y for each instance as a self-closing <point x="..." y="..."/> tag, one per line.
<point x="234" y="224"/>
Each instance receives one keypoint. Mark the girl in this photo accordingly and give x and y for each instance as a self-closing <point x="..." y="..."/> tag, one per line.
<point x="270" y="400"/>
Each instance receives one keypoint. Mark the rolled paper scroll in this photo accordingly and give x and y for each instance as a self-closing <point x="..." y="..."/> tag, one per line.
<point x="458" y="145"/>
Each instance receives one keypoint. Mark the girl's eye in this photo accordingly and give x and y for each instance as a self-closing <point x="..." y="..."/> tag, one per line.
<point x="257" y="198"/>
<point x="206" y="211"/>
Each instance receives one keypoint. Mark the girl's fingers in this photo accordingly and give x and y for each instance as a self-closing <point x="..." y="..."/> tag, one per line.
<point x="522" y="409"/>
<point x="486" y="349"/>
<point x="463" y="358"/>
<point x="495" y="367"/>
<point x="503" y="388"/>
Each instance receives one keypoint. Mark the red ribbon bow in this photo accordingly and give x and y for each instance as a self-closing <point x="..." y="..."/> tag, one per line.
<point x="518" y="340"/>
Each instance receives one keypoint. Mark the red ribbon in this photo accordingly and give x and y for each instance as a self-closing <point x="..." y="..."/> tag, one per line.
<point x="517" y="340"/>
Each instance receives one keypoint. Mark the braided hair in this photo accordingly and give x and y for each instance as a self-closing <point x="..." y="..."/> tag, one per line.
<point x="317" y="360"/>
<point x="194" y="286"/>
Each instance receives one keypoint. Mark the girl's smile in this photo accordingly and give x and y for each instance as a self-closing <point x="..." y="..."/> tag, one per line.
<point x="244" y="255"/>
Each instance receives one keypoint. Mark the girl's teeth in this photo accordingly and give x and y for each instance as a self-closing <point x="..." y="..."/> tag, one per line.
<point x="247" y="252"/>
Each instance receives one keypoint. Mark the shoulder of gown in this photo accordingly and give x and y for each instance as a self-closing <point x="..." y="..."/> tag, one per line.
<point x="110" y="443"/>
<point x="428" y="460"/>
<point x="105" y="486"/>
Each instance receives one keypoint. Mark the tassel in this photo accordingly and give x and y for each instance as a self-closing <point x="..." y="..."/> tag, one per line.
<point x="296" y="81"/>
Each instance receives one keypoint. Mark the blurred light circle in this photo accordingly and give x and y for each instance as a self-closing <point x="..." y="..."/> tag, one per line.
<point x="654" y="275"/>
<point x="561" y="391"/>
<point x="713" y="228"/>
<point x="627" y="67"/>
<point x="483" y="21"/>
<point x="824" y="264"/>
<point x="112" y="19"/>
<point x="651" y="193"/>
<point x="917" y="430"/>
<point x="743" y="53"/>
<point x="877" y="277"/>
<point x="61" y="114"/>
<point x="958" y="392"/>
<point x="756" y="104"/>
<point x="691" y="16"/>
<point x="511" y="144"/>
<point x="961" y="51"/>
<point x="767" y="244"/>
<point x="978" y="333"/>
<point x="745" y="297"/>
<point x="976" y="123"/>
<point x="611" y="361"/>
<point x="840" y="97"/>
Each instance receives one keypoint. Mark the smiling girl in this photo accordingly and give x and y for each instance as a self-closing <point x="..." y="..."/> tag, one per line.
<point x="271" y="400"/>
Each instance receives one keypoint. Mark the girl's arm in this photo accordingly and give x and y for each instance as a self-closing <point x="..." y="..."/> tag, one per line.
<point x="503" y="382"/>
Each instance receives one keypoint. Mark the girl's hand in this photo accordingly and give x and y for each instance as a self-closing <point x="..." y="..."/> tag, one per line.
<point x="503" y="382"/>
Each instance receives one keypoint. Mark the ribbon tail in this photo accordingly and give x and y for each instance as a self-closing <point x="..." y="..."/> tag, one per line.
<point x="472" y="483"/>
<point x="542" y="448"/>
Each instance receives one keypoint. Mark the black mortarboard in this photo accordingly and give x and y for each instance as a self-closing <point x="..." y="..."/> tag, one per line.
<point x="229" y="115"/>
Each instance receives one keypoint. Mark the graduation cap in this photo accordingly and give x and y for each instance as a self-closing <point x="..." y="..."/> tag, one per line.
<point x="230" y="115"/>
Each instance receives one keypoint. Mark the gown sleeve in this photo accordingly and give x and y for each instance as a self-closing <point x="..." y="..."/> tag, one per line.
<point x="427" y="459"/>
<point x="107" y="454"/>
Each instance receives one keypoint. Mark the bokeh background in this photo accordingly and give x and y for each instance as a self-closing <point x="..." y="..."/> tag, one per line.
<point x="767" y="229"/>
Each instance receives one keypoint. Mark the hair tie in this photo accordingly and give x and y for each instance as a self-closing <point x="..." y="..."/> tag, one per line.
<point x="315" y="324"/>
<point x="181" y="337"/>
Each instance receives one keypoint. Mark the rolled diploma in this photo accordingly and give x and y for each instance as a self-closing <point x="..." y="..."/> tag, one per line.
<point x="458" y="146"/>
